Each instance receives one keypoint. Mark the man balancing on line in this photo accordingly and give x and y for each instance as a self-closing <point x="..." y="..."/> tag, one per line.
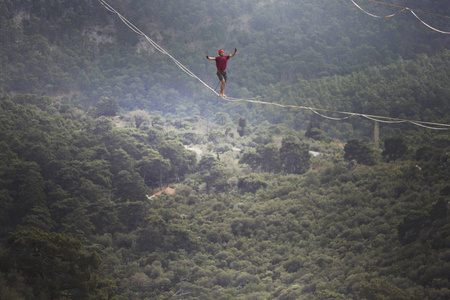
<point x="221" y="64"/>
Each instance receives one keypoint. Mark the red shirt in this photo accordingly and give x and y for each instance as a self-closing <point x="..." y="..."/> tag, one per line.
<point x="221" y="62"/>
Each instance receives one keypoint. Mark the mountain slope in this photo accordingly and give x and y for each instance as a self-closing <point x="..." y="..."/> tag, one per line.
<point x="80" y="50"/>
<point x="231" y="231"/>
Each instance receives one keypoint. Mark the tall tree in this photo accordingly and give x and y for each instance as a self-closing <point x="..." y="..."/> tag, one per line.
<point x="251" y="158"/>
<point x="294" y="156"/>
<point x="394" y="148"/>
<point x="153" y="168"/>
<point x="57" y="265"/>
<point x="242" y="126"/>
<point x="314" y="131"/>
<point x="269" y="157"/>
<point x="359" y="151"/>
<point x="107" y="107"/>
<point x="182" y="161"/>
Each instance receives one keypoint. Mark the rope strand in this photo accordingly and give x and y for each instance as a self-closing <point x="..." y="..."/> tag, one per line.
<point x="440" y="31"/>
<point x="375" y="16"/>
<point x="402" y="10"/>
<point x="419" y="11"/>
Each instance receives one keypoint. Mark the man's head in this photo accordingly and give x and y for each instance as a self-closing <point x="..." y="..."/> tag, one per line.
<point x="221" y="52"/>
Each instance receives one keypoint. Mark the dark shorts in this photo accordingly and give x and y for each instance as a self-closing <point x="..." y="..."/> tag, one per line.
<point x="222" y="76"/>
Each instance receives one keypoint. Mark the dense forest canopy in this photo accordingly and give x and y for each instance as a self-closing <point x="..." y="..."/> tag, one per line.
<point x="272" y="222"/>
<point x="121" y="177"/>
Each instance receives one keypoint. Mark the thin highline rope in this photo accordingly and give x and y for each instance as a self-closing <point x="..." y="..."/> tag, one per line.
<point x="388" y="120"/>
<point x="403" y="9"/>
<point x="375" y="16"/>
<point x="419" y="11"/>
<point x="440" y="31"/>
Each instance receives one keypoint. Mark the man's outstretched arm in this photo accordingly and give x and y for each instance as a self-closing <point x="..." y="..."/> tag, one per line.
<point x="234" y="53"/>
<point x="210" y="58"/>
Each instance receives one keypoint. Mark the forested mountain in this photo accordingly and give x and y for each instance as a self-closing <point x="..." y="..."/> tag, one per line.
<point x="269" y="223"/>
<point x="263" y="202"/>
<point x="82" y="52"/>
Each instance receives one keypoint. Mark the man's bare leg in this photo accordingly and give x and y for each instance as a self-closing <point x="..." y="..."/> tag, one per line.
<point x="222" y="88"/>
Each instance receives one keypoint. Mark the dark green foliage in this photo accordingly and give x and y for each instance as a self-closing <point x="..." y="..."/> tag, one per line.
<point x="182" y="160"/>
<point x="412" y="224"/>
<point x="244" y="227"/>
<point x="328" y="233"/>
<point x="314" y="131"/>
<point x="161" y="236"/>
<point x="425" y="153"/>
<point x="107" y="107"/>
<point x="269" y="156"/>
<point x="418" y="221"/>
<point x="242" y="126"/>
<point x="250" y="184"/>
<point x="130" y="186"/>
<point x="394" y="148"/>
<point x="294" y="156"/>
<point x="439" y="209"/>
<point x="212" y="172"/>
<point x="379" y="289"/>
<point x="56" y="265"/>
<point x="251" y="158"/>
<point x="359" y="151"/>
<point x="153" y="168"/>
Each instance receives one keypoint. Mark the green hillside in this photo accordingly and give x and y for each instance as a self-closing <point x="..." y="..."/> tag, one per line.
<point x="78" y="220"/>
<point x="121" y="177"/>
<point x="79" y="51"/>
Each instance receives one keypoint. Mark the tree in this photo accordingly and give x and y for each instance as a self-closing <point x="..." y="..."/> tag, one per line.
<point x="426" y="153"/>
<point x="138" y="117"/>
<point x="27" y="189"/>
<point x="120" y="160"/>
<point x="57" y="265"/>
<point x="294" y="156"/>
<point x="359" y="151"/>
<point x="6" y="206"/>
<point x="242" y="125"/>
<point x="222" y="118"/>
<point x="207" y="162"/>
<point x="381" y="289"/>
<point x="314" y="131"/>
<point x="251" y="158"/>
<point x="99" y="126"/>
<point x="213" y="173"/>
<point x="182" y="161"/>
<point x="394" y="148"/>
<point x="269" y="157"/>
<point x="250" y="184"/>
<point x="152" y="236"/>
<point x="108" y="107"/>
<point x="153" y="168"/>
<point x="130" y="186"/>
